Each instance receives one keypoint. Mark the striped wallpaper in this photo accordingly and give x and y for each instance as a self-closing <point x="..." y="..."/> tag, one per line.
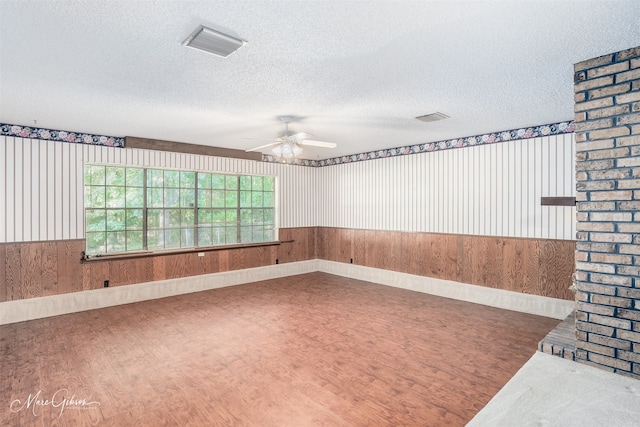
<point x="488" y="190"/>
<point x="484" y="190"/>
<point x="42" y="187"/>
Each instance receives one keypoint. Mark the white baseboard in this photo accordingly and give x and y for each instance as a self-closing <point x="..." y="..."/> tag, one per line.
<point x="55" y="305"/>
<point x="508" y="300"/>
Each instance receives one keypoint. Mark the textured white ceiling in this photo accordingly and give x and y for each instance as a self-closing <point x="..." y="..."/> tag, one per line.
<point x="354" y="73"/>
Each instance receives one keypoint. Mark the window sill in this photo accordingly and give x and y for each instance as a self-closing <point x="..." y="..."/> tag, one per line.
<point x="145" y="254"/>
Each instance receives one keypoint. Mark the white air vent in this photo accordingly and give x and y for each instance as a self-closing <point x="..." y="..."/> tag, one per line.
<point x="433" y="117"/>
<point x="213" y="41"/>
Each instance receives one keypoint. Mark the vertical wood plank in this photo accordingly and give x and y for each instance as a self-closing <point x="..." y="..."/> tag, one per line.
<point x="451" y="257"/>
<point x="99" y="272"/>
<point x="223" y="260"/>
<point x="49" y="268"/>
<point x="159" y="268"/>
<point x="70" y="277"/>
<point x="359" y="247"/>
<point x="3" y="276"/>
<point x="495" y="274"/>
<point x="13" y="273"/>
<point x="508" y="264"/>
<point x="31" y="270"/>
<point x="531" y="266"/>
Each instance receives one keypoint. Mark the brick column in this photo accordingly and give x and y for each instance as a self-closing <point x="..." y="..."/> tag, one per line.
<point x="607" y="123"/>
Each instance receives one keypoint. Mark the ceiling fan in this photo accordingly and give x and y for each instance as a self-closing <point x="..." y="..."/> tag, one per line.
<point x="288" y="144"/>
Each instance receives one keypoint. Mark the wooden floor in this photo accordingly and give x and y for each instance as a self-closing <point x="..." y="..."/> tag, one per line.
<point x="310" y="350"/>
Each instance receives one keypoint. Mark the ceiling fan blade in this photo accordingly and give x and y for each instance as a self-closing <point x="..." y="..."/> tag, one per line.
<point x="263" y="146"/>
<point x="318" y="143"/>
<point x="300" y="136"/>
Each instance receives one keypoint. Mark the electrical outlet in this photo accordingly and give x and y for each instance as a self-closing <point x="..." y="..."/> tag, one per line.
<point x="106" y="283"/>
<point x="200" y="253"/>
<point x="277" y="261"/>
<point x="351" y="261"/>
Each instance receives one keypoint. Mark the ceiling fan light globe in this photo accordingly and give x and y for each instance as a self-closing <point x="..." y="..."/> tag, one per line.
<point x="287" y="150"/>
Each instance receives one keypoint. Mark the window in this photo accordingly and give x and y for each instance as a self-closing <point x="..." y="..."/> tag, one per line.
<point x="133" y="209"/>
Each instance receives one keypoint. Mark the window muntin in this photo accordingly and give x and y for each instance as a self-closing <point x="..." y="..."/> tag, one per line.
<point x="132" y="209"/>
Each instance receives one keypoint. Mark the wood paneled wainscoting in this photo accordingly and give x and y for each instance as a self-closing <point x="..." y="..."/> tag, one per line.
<point x="532" y="266"/>
<point x="36" y="269"/>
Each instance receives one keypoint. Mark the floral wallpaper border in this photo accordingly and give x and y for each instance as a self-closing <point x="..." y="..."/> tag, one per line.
<point x="60" y="135"/>
<point x="470" y="141"/>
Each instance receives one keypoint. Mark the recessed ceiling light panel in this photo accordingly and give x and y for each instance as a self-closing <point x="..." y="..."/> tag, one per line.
<point x="212" y="41"/>
<point x="433" y="117"/>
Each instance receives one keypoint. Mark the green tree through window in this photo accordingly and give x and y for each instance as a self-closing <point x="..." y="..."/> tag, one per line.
<point x="132" y="209"/>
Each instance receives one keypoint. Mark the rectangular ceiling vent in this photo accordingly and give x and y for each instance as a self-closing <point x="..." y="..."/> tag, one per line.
<point x="213" y="41"/>
<point x="433" y="117"/>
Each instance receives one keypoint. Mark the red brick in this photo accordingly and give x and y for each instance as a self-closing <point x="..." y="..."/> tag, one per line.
<point x="609" y="133"/>
<point x="611" y="195"/>
<point x="610" y="237"/>
<point x="611" y="259"/>
<point x="594" y="83"/>
<point x="627" y="355"/>
<point x="611" y="279"/>
<point x="629" y="314"/>
<point x="627" y="141"/>
<point x="596" y="348"/>
<point x="609" y="90"/>
<point x="608" y="112"/>
<point x="631" y="271"/>
<point x="595" y="226"/>
<point x="594" y="165"/>
<point x="609" y="342"/>
<point x="609" y="300"/>
<point x="596" y="206"/>
<point x="594" y="124"/>
<point x="595" y="329"/>
<point x="609" y="361"/>
<point x="626" y="98"/>
<point x="629" y="336"/>
<point x="609" y="69"/>
<point x="596" y="267"/>
<point x="611" y="216"/>
<point x="595" y="62"/>
<point x="629" y="183"/>
<point x="596" y="247"/>
<point x="610" y="174"/>
<point x="628" y="119"/>
<point x="629" y="206"/>
<point x="608" y="154"/>
<point x="625" y="54"/>
<point x="596" y="289"/>
<point x="593" y="308"/>
<point x="610" y="321"/>
<point x="622" y="77"/>
<point x="631" y="227"/>
<point x="596" y="103"/>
